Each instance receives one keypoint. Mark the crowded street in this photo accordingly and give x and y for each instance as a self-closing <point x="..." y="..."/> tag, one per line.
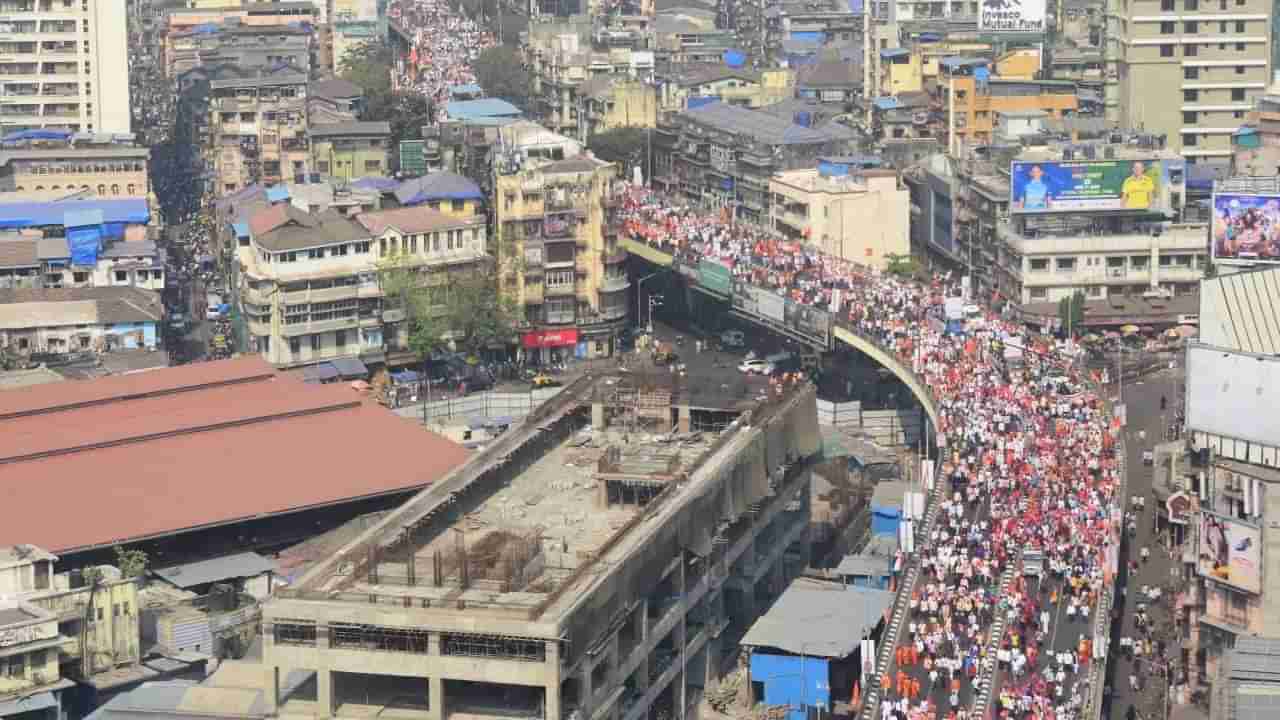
<point x="1029" y="463"/>
<point x="445" y="43"/>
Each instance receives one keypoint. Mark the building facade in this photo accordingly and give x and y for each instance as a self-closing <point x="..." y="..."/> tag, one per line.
<point x="66" y="66"/>
<point x="95" y="165"/>
<point x="257" y="130"/>
<point x="1187" y="69"/>
<point x="349" y="150"/>
<point x="57" y="320"/>
<point x="559" y="259"/>
<point x="858" y="215"/>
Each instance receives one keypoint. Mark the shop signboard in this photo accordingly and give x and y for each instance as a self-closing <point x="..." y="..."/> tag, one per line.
<point x="1085" y="185"/>
<point x="1246" y="228"/>
<point x="714" y="277"/>
<point x="1230" y="552"/>
<point x="759" y="303"/>
<point x="1012" y="16"/>
<point x="808" y="322"/>
<point x="550" y="338"/>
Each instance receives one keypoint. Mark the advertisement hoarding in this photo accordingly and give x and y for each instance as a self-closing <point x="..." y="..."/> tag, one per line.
<point x="1074" y="186"/>
<point x="550" y="338"/>
<point x="758" y="303"/>
<point x="1009" y="16"/>
<point x="1246" y="228"/>
<point x="714" y="277"/>
<point x="1230" y="552"/>
<point x="808" y="322"/>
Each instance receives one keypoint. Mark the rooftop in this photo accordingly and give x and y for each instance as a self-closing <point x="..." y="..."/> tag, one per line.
<point x="764" y="127"/>
<point x="22" y="308"/>
<point x="353" y="127"/>
<point x="1252" y="670"/>
<point x="1240" y="311"/>
<point x="335" y="88"/>
<point x="416" y="219"/>
<point x="227" y="567"/>
<point x="283" y="227"/>
<point x="819" y="619"/>
<point x="158" y="443"/>
<point x="484" y="107"/>
<point x="438" y="186"/>
<point x="37" y="214"/>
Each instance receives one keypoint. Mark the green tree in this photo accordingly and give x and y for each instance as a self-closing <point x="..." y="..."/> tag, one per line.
<point x="369" y="66"/>
<point x="132" y="563"/>
<point x="627" y="147"/>
<point x="464" y="311"/>
<point x="901" y="265"/>
<point x="500" y="71"/>
<point x="1071" y="311"/>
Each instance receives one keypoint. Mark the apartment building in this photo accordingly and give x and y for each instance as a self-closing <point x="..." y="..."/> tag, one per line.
<point x="308" y="283"/>
<point x="65" y="65"/>
<point x="349" y="150"/>
<point x="1255" y="148"/>
<point x="27" y="262"/>
<point x="690" y="86"/>
<point x="558" y="256"/>
<point x="258" y="129"/>
<point x="725" y="155"/>
<point x="92" y="164"/>
<point x="973" y="102"/>
<point x="239" y="44"/>
<point x="1187" y="69"/>
<point x="100" y="319"/>
<point x="181" y="22"/>
<point x="611" y="102"/>
<point x="856" y="214"/>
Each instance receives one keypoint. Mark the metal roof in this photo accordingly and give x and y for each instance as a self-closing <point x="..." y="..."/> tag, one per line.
<point x="228" y="567"/>
<point x="1241" y="311"/>
<point x="484" y="107"/>
<point x="438" y="186"/>
<point x="762" y="126"/>
<point x="1252" y="669"/>
<point x="819" y="619"/>
<point x="870" y="565"/>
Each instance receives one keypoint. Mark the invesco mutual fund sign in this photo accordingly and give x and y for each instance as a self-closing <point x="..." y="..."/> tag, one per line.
<point x="1012" y="16"/>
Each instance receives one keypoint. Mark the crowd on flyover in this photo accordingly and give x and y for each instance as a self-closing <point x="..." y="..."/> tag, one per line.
<point x="1027" y="462"/>
<point x="445" y="44"/>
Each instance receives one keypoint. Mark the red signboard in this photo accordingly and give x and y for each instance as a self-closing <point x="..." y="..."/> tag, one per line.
<point x="551" y="338"/>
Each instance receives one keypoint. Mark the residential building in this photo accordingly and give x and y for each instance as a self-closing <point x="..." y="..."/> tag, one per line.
<point x="30" y="262"/>
<point x="1255" y="147"/>
<point x="446" y="192"/>
<point x="725" y="156"/>
<point x="242" y="45"/>
<point x="608" y="102"/>
<point x="819" y="22"/>
<point x="972" y="104"/>
<point x="855" y="214"/>
<point x="690" y="86"/>
<point x="179" y="22"/>
<point x="830" y="80"/>
<point x="688" y="36"/>
<point x="31" y="685"/>
<point x="101" y="319"/>
<point x="97" y="164"/>
<point x="558" y="256"/>
<point x="1188" y="70"/>
<point x="349" y="150"/>
<point x="185" y="422"/>
<point x="345" y="35"/>
<point x="258" y="129"/>
<point x="1247" y="680"/>
<point x="66" y="66"/>
<point x="607" y="616"/>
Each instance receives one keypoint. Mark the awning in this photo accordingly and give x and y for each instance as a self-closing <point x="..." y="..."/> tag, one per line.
<point x="319" y="373"/>
<point x="39" y="701"/>
<point x="404" y="376"/>
<point x="350" y="368"/>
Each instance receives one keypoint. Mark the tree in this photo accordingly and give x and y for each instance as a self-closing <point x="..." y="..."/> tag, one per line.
<point x="369" y="66"/>
<point x="628" y="147"/>
<point x="1071" y="311"/>
<point x="132" y="563"/>
<point x="500" y="71"/>
<point x="901" y="265"/>
<point x="465" y="312"/>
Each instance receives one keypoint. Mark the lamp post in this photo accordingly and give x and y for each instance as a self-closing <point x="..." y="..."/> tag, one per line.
<point x="640" y="292"/>
<point x="654" y="301"/>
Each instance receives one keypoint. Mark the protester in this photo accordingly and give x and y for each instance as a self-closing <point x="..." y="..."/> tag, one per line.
<point x="445" y="44"/>
<point x="1027" y="463"/>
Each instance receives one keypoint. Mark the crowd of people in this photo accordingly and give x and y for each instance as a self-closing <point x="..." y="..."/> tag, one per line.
<point x="1027" y="463"/>
<point x="445" y="44"/>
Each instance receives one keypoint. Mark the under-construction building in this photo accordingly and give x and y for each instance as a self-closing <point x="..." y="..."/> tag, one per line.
<point x="600" y="559"/>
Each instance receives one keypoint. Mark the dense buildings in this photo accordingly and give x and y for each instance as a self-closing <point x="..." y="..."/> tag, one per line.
<point x="66" y="66"/>
<point x="257" y="129"/>
<point x="101" y="319"/>
<point x="558" y="257"/>
<point x="851" y="213"/>
<point x="614" y="588"/>
<point x="1188" y="70"/>
<point x="95" y="164"/>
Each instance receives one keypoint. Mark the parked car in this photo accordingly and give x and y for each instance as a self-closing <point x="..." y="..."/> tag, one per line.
<point x="756" y="366"/>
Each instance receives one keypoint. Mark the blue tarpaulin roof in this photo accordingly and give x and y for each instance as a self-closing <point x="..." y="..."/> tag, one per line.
<point x="277" y="194"/>
<point x="404" y="376"/>
<point x="887" y="103"/>
<point x="485" y="107"/>
<point x="82" y="218"/>
<point x="894" y="52"/>
<point x="437" y="186"/>
<point x="36" y="135"/>
<point x="36" y="214"/>
<point x="380" y="184"/>
<point x="241" y="228"/>
<point x="467" y="88"/>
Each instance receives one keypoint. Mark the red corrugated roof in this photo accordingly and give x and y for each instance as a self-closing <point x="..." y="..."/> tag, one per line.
<point x="170" y="464"/>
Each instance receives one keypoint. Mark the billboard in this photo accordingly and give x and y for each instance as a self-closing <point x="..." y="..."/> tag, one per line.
<point x="714" y="277"/>
<point x="759" y="303"/>
<point x="1071" y="186"/>
<point x="1230" y="552"/>
<point x="1246" y="228"/>
<point x="808" y="322"/>
<point x="1011" y="16"/>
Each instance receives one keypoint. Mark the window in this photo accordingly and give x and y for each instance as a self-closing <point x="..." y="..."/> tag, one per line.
<point x="1190" y="73"/>
<point x="1039" y="264"/>
<point x="121" y="276"/>
<point x="1237" y="94"/>
<point x="80" y="277"/>
<point x="1239" y="47"/>
<point x="99" y="609"/>
<point x="1239" y="26"/>
<point x="1039" y="293"/>
<point x="295" y="346"/>
<point x="1095" y="291"/>
<point x="323" y="166"/>
<point x="435" y="242"/>
<point x="458" y="205"/>
<point x="382" y="247"/>
<point x="1166" y="28"/>
<point x="315" y="254"/>
<point x="1238" y="115"/>
<point x="1190" y="95"/>
<point x="1190" y="50"/>
<point x="1066" y="264"/>
<point x="1190" y="140"/>
<point x="1166" y="51"/>
<point x="1189" y="117"/>
<point x="1239" y="69"/>
<point x="340" y="338"/>
<point x="1191" y="5"/>
<point x="315" y="343"/>
<point x="413" y="244"/>
<point x="1166" y="260"/>
<point x="372" y="165"/>
<point x="1166" y="5"/>
<point x="1222" y="26"/>
<point x="115" y="610"/>
<point x="362" y="247"/>
<point x="1191" y="27"/>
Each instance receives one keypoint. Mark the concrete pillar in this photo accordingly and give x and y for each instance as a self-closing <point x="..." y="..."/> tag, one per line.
<point x="435" y="689"/>
<point x="597" y="416"/>
<point x="684" y="420"/>
<point x="552" y="688"/>
<point x="586" y="690"/>
<point x="324" y="693"/>
<point x="272" y="693"/>
<point x="1154" y="262"/>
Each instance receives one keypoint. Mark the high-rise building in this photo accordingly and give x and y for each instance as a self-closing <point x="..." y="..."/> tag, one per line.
<point x="65" y="65"/>
<point x="1187" y="69"/>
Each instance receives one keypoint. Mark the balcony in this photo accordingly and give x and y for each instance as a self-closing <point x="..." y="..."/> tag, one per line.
<point x="614" y="284"/>
<point x="557" y="229"/>
<point x="533" y="293"/>
<point x="560" y="290"/>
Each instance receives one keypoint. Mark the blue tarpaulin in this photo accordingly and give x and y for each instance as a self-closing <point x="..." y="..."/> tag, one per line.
<point x="808" y="35"/>
<point x="826" y="168"/>
<point x="698" y="101"/>
<point x="85" y="243"/>
<point x="404" y="376"/>
<point x="855" y="7"/>
<point x="21" y="135"/>
<point x="37" y="214"/>
<point x="735" y="58"/>
<point x="113" y="230"/>
<point x="241" y="229"/>
<point x="438" y="186"/>
<point x="278" y="193"/>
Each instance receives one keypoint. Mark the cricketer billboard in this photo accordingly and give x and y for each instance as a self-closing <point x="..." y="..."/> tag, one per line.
<point x="1246" y="228"/>
<point x="1230" y="552"/>
<point x="1012" y="16"/>
<point x="1049" y="187"/>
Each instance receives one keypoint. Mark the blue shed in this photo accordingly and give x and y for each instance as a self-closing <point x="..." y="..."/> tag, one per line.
<point x="886" y="507"/>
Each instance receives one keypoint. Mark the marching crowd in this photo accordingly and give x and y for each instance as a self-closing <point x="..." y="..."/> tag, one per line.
<point x="1028" y="464"/>
<point x="445" y="44"/>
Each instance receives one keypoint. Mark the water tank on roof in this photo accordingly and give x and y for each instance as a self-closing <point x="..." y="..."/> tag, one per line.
<point x="735" y="58"/>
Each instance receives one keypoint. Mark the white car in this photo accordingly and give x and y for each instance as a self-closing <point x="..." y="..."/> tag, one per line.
<point x="756" y="367"/>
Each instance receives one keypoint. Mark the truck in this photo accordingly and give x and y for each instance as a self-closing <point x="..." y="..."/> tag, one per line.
<point x="1033" y="563"/>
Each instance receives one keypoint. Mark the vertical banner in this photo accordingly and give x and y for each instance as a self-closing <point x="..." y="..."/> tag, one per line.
<point x="868" y="661"/>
